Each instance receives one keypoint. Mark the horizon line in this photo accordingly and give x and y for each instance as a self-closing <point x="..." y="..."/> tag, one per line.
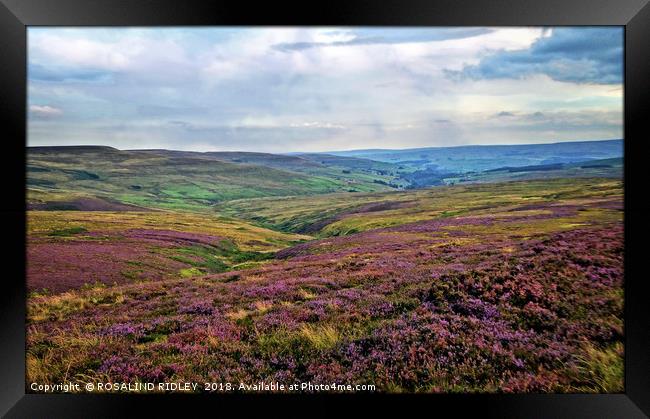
<point x="329" y="151"/>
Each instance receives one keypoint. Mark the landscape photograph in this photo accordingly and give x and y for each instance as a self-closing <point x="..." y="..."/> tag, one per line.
<point x="325" y="210"/>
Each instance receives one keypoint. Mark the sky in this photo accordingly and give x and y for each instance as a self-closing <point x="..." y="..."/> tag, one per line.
<point x="291" y="89"/>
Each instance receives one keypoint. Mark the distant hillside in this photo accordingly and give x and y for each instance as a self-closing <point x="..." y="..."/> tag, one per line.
<point x="276" y="161"/>
<point x="485" y="157"/>
<point x="72" y="149"/>
<point x="95" y="178"/>
<point x="350" y="162"/>
<point x="600" y="168"/>
<point x="66" y="177"/>
<point x="314" y="164"/>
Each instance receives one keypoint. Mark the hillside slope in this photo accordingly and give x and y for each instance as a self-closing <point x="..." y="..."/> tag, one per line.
<point x="343" y="214"/>
<point x="67" y="177"/>
<point x="521" y="291"/>
<point x="485" y="157"/>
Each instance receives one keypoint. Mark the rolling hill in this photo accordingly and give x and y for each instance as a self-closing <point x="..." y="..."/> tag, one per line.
<point x="344" y="214"/>
<point x="485" y="157"/>
<point x="502" y="287"/>
<point x="103" y="177"/>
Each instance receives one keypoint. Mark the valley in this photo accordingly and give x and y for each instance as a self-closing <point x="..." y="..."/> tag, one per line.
<point x="158" y="265"/>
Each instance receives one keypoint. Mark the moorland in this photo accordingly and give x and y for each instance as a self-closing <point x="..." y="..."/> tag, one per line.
<point x="461" y="269"/>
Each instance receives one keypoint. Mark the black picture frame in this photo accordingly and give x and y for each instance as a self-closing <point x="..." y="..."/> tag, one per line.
<point x="16" y="15"/>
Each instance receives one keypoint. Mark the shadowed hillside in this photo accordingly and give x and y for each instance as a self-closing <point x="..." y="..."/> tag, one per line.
<point x="484" y="157"/>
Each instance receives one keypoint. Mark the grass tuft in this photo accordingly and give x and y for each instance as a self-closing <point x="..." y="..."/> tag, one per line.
<point x="321" y="337"/>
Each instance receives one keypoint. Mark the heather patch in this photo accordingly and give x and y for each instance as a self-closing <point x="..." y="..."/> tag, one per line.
<point x="494" y="321"/>
<point x="523" y="297"/>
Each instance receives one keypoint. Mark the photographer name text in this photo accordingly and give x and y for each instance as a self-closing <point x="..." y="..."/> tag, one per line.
<point x="192" y="387"/>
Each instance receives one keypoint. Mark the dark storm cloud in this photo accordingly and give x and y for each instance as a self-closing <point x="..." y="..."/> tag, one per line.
<point x="579" y="55"/>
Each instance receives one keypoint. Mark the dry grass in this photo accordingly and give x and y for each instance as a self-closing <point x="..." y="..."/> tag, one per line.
<point x="602" y="370"/>
<point x="246" y="236"/>
<point x="321" y="337"/>
<point x="59" y="306"/>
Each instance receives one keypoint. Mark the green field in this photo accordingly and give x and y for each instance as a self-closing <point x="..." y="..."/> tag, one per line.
<point x="341" y="214"/>
<point x="59" y="177"/>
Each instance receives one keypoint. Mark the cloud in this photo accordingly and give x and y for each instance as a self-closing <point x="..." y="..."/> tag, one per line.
<point x="59" y="74"/>
<point x="519" y="115"/>
<point x="149" y="110"/>
<point x="578" y="55"/>
<point x="44" y="111"/>
<point x="577" y="121"/>
<point x="181" y="124"/>
<point x="317" y="124"/>
<point x="82" y="55"/>
<point x="298" y="46"/>
<point x="381" y="36"/>
<point x="87" y="53"/>
<point x="294" y="88"/>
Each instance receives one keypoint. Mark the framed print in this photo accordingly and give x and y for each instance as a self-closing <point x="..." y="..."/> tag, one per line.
<point x="396" y="204"/>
